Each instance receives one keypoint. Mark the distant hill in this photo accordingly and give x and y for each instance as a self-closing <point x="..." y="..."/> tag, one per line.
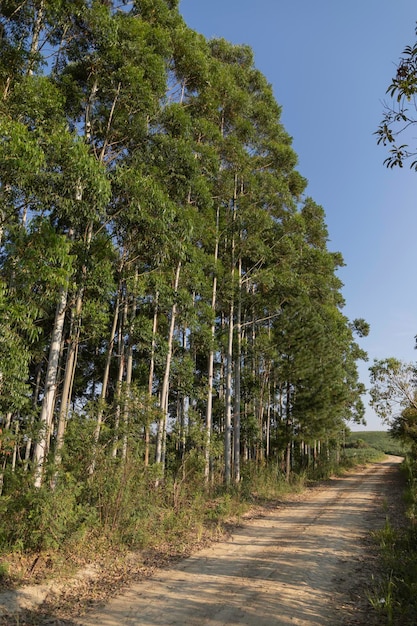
<point x="378" y="439"/>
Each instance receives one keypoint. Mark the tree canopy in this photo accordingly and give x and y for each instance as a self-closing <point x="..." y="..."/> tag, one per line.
<point x="166" y="287"/>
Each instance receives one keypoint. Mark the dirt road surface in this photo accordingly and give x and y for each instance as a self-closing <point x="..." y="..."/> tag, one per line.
<point x="301" y="564"/>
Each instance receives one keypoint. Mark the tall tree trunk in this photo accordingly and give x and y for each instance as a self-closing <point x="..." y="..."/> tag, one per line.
<point x="289" y="434"/>
<point x="237" y="372"/>
<point x="48" y="402"/>
<point x="120" y="376"/>
<point x="7" y="426"/>
<point x="151" y="375"/>
<point x="209" y="406"/>
<point x="36" y="33"/>
<point x="72" y="355"/>
<point x="129" y="366"/>
<point x="162" y="426"/>
<point x="105" y="382"/>
<point x="67" y="383"/>
<point x="35" y="397"/>
<point x="228" y="411"/>
<point x="128" y="382"/>
<point x="229" y="357"/>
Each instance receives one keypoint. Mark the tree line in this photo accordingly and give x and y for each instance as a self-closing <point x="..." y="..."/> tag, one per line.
<point x="167" y="293"/>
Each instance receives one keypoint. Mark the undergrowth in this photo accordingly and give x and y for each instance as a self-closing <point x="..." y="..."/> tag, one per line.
<point x="394" y="596"/>
<point x="125" y="508"/>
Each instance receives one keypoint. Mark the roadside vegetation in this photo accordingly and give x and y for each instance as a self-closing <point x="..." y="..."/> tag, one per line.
<point x="394" y="591"/>
<point x="173" y="342"/>
<point x="394" y="383"/>
<point x="394" y="397"/>
<point x="393" y="594"/>
<point x="123" y="512"/>
<point x="380" y="440"/>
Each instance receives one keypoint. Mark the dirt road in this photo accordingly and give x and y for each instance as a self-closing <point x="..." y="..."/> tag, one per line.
<point x="302" y="564"/>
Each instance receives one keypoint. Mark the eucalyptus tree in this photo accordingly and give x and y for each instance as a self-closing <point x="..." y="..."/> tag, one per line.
<point x="394" y="398"/>
<point x="109" y="76"/>
<point x="396" y="128"/>
<point x="393" y="388"/>
<point x="113" y="81"/>
<point x="153" y="165"/>
<point x="316" y="351"/>
<point x="53" y="192"/>
<point x="237" y="119"/>
<point x="228" y="106"/>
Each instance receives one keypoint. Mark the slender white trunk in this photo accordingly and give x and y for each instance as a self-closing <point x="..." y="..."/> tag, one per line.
<point x="28" y="446"/>
<point x="228" y="411"/>
<point x="72" y="355"/>
<point x="129" y="367"/>
<point x="209" y="407"/>
<point x="67" y="385"/>
<point x="48" y="402"/>
<point x="104" y="385"/>
<point x="151" y="375"/>
<point x="122" y="362"/>
<point x="16" y="445"/>
<point x="229" y="358"/>
<point x="161" y="435"/>
<point x="7" y="425"/>
<point x="36" y="33"/>
<point x="237" y="372"/>
<point x="128" y="382"/>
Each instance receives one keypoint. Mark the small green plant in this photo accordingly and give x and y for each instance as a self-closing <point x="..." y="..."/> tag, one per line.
<point x="382" y="599"/>
<point x="4" y="570"/>
<point x="394" y="596"/>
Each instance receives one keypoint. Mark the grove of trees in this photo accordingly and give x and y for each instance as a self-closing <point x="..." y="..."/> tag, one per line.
<point x="168" y="300"/>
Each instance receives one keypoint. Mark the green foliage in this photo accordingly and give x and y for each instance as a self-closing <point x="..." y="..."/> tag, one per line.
<point x="355" y="456"/>
<point x="20" y="154"/>
<point x="41" y="519"/>
<point x="266" y="482"/>
<point x="135" y="149"/>
<point x="393" y="387"/>
<point x="394" y="595"/>
<point x="399" y="118"/>
<point x="380" y="440"/>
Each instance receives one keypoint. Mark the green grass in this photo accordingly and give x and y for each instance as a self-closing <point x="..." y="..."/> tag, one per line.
<point x="394" y="593"/>
<point x="358" y="456"/>
<point x="394" y="597"/>
<point x="378" y="439"/>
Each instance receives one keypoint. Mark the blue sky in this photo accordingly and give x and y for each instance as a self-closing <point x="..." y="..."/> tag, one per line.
<point x="329" y="63"/>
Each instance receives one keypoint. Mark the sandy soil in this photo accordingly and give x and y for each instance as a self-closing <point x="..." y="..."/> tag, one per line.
<point x="296" y="565"/>
<point x="305" y="563"/>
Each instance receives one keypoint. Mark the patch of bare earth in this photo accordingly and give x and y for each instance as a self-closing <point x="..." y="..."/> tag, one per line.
<point x="308" y="561"/>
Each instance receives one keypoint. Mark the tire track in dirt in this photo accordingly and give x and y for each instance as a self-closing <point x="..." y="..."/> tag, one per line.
<point x="298" y="564"/>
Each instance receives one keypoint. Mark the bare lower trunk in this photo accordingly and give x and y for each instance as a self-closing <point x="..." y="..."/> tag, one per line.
<point x="228" y="411"/>
<point x="236" y="411"/>
<point x="209" y="406"/>
<point x="128" y="382"/>
<point x="118" y="393"/>
<point x="105" y="383"/>
<point x="129" y="367"/>
<point x="28" y="446"/>
<point x="151" y="375"/>
<point x="7" y="425"/>
<point x="67" y="383"/>
<point x="161" y="436"/>
<point x="120" y="375"/>
<point x="46" y="416"/>
<point x="229" y="361"/>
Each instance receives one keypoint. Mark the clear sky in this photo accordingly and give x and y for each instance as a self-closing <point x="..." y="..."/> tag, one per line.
<point x="330" y="63"/>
